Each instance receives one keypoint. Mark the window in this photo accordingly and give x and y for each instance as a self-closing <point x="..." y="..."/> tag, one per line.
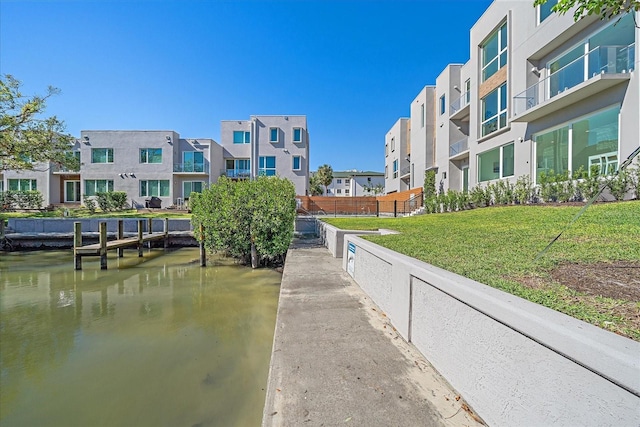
<point x="154" y="187"/>
<point x="393" y="143"/>
<point x="151" y="155"/>
<point x="93" y="186"/>
<point x="273" y="135"/>
<point x="267" y="166"/>
<point x="347" y="181"/>
<point x="189" y="187"/>
<point x="494" y="52"/>
<point x="102" y="155"/>
<point x="22" y="184"/>
<point x="610" y="50"/>
<point x="241" y="137"/>
<point x="346" y="191"/>
<point x="544" y="10"/>
<point x="296" y="163"/>
<point x="494" y="110"/>
<point x="193" y="161"/>
<point x="238" y="168"/>
<point x="297" y="134"/>
<point x="395" y="168"/>
<point x="338" y="181"/>
<point x="422" y="117"/>
<point x="442" y="105"/>
<point x="496" y="164"/>
<point x="338" y="191"/>
<point x="467" y="91"/>
<point x="588" y="141"/>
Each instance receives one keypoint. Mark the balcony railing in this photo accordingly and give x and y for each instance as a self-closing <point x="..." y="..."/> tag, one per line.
<point x="405" y="171"/>
<point x="461" y="102"/>
<point x="600" y="60"/>
<point x="236" y="173"/>
<point x="458" y="147"/>
<point x="61" y="169"/>
<point x="190" y="167"/>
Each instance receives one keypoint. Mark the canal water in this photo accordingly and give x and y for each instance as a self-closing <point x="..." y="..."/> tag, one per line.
<point x="153" y="341"/>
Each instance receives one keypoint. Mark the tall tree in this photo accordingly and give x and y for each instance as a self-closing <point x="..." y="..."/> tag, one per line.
<point x="607" y="9"/>
<point x="325" y="176"/>
<point x="26" y="137"/>
<point x="315" y="188"/>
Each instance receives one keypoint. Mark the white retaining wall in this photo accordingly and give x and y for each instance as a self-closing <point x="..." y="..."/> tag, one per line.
<point x="515" y="362"/>
<point x="333" y="237"/>
<point x="65" y="225"/>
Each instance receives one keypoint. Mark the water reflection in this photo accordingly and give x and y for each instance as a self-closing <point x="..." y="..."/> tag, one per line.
<point x="157" y="341"/>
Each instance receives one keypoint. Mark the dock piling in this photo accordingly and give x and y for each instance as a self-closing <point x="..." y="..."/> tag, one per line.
<point x="166" y="233"/>
<point x="103" y="245"/>
<point x="77" y="243"/>
<point x="120" y="237"/>
<point x="203" y="255"/>
<point x="140" y="240"/>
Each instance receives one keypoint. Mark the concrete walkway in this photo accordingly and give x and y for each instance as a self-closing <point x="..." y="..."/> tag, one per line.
<point x="338" y="361"/>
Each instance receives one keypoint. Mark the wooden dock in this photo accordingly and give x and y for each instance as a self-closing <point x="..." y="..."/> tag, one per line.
<point x="100" y="249"/>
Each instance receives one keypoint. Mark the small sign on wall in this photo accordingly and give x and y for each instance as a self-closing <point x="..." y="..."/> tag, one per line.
<point x="351" y="259"/>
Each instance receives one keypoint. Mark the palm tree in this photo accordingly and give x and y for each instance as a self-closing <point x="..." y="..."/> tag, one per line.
<point x="325" y="176"/>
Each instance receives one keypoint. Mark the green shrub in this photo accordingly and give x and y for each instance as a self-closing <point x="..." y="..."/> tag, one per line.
<point x="245" y="216"/>
<point x="524" y="191"/>
<point x="480" y="196"/>
<point x="118" y="200"/>
<point x="590" y="184"/>
<point x="89" y="203"/>
<point x="619" y="185"/>
<point x="104" y="201"/>
<point x="429" y="184"/>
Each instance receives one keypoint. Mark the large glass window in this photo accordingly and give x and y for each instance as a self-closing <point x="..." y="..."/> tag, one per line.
<point x="544" y="10"/>
<point x="494" y="52"/>
<point x="610" y="50"/>
<point x="154" y="187"/>
<point x="593" y="141"/>
<point x="496" y="163"/>
<point x="102" y="155"/>
<point x="395" y="168"/>
<point x="267" y="166"/>
<point x="241" y="137"/>
<point x="151" y="155"/>
<point x="494" y="110"/>
<point x="22" y="184"/>
<point x="93" y="186"/>
<point x="193" y="161"/>
<point x="189" y="187"/>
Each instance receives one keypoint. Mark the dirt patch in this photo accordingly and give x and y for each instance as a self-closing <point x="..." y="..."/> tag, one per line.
<point x="619" y="280"/>
<point x="612" y="288"/>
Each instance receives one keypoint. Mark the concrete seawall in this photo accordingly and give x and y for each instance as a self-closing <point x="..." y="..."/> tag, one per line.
<point x="516" y="362"/>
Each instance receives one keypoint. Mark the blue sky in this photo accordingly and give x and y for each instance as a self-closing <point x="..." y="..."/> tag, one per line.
<point x="352" y="67"/>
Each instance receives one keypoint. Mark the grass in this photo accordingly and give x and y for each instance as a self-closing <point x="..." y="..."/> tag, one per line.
<point x="84" y="213"/>
<point x="498" y="246"/>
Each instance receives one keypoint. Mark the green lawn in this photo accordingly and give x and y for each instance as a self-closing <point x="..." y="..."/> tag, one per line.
<point x="498" y="246"/>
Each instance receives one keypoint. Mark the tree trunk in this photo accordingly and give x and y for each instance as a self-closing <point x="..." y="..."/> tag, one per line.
<point x="254" y="256"/>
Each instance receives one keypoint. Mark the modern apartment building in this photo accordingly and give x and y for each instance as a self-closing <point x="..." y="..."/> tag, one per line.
<point x="397" y="157"/>
<point x="141" y="163"/>
<point x="267" y="145"/>
<point x="355" y="183"/>
<point x="540" y="93"/>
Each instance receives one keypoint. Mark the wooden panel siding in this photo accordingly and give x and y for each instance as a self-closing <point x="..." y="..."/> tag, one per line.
<point x="493" y="82"/>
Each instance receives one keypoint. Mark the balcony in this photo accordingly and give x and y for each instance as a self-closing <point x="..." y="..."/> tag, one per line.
<point x="459" y="150"/>
<point x="596" y="71"/>
<point x="61" y="170"/>
<point x="405" y="172"/>
<point x="460" y="107"/>
<point x="190" y="167"/>
<point x="236" y="173"/>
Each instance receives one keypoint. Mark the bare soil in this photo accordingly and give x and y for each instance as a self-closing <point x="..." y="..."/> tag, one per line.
<point x="617" y="282"/>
